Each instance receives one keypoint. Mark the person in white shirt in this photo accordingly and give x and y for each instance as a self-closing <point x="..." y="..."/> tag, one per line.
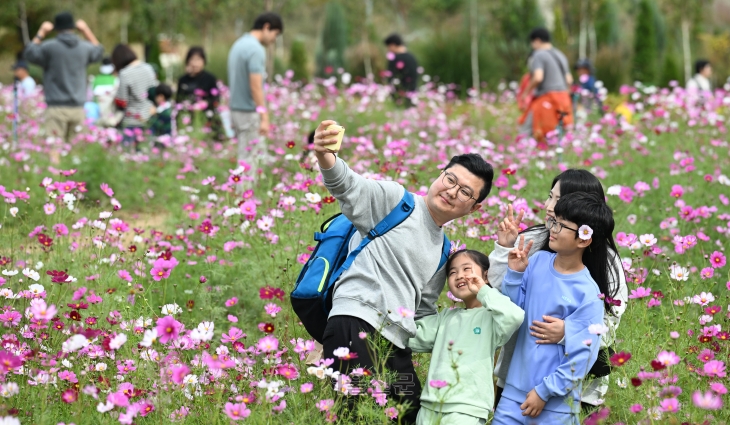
<point x="26" y="83"/>
<point x="701" y="79"/>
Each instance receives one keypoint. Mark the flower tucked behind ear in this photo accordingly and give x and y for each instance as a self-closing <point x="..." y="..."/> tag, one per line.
<point x="585" y="232"/>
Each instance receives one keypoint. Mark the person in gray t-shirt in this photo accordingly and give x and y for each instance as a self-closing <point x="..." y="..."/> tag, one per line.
<point x="549" y="80"/>
<point x="246" y="74"/>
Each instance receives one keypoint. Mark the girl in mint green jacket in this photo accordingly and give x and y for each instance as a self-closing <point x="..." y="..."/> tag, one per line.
<point x="462" y="341"/>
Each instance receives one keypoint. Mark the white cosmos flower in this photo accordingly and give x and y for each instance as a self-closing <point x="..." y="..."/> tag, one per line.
<point x="678" y="272"/>
<point x="74" y="343"/>
<point x="104" y="407"/>
<point x="150" y="336"/>
<point x="117" y="341"/>
<point x="36" y="289"/>
<point x="100" y="367"/>
<point x="614" y="190"/>
<point x="31" y="274"/>
<point x="648" y="239"/>
<point x="10" y="272"/>
<point x="13" y="211"/>
<point x="313" y="198"/>
<point x="171" y="309"/>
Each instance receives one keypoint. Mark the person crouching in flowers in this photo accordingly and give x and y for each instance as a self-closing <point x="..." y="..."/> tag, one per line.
<point x="544" y="381"/>
<point x="462" y="342"/>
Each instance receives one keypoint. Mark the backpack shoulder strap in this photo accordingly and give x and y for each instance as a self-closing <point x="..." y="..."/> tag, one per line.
<point x="556" y="58"/>
<point x="401" y="211"/>
<point x="445" y="251"/>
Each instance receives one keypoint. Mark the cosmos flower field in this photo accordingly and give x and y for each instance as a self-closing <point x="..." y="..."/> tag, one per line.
<point x="147" y="288"/>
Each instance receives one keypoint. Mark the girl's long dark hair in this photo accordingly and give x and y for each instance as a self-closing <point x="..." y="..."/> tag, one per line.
<point x="588" y="209"/>
<point x="575" y="180"/>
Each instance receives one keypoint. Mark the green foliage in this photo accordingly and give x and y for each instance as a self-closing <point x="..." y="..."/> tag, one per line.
<point x="447" y="58"/>
<point x="646" y="54"/>
<point x="611" y="67"/>
<point x="298" y="60"/>
<point x="560" y="33"/>
<point x="607" y="24"/>
<point x="671" y="69"/>
<point x="449" y="7"/>
<point x="516" y="18"/>
<point x="334" y="40"/>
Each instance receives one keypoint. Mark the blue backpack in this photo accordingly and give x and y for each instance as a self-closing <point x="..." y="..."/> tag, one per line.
<point x="312" y="295"/>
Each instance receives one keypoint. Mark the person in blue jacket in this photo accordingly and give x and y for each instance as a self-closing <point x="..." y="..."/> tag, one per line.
<point x="570" y="281"/>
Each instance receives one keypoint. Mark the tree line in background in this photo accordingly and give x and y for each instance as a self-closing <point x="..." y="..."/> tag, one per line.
<point x="465" y="42"/>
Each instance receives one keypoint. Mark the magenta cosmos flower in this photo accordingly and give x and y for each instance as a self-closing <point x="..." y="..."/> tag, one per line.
<point x="168" y="329"/>
<point x="717" y="259"/>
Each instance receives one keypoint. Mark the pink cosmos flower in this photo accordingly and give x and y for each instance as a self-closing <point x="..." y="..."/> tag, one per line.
<point x="41" y="310"/>
<point x="636" y="408"/>
<point x="714" y="368"/>
<point x="159" y="273"/>
<point x="69" y="396"/>
<point x="288" y="371"/>
<point x="306" y="388"/>
<point x="49" y="208"/>
<point x="677" y="191"/>
<point x="405" y="313"/>
<point x="124" y="275"/>
<point x="232" y="318"/>
<point x="707" y="272"/>
<point x="391" y="413"/>
<point x="179" y="372"/>
<point x="670" y="405"/>
<point x="268" y="344"/>
<point x="272" y="309"/>
<point x="231" y="302"/>
<point x="717" y="259"/>
<point x="640" y="292"/>
<point x="325" y="405"/>
<point x="718" y="388"/>
<point x="118" y="399"/>
<point x="168" y="329"/>
<point x="706" y="355"/>
<point x="248" y="208"/>
<point x="60" y="229"/>
<point x="234" y="334"/>
<point x="237" y="412"/>
<point x="434" y="383"/>
<point x="10" y="319"/>
<point x="668" y="358"/>
<point x="107" y="190"/>
<point x="707" y="401"/>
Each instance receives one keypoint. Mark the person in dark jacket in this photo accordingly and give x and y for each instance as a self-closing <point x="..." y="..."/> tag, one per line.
<point x="402" y="69"/>
<point x="64" y="60"/>
<point x="198" y="84"/>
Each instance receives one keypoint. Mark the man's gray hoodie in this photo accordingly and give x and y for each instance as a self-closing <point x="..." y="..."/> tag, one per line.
<point x="64" y="60"/>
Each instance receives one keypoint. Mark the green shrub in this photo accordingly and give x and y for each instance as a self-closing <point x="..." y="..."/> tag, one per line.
<point x="334" y="40"/>
<point x="646" y="54"/>
<point x="298" y="61"/>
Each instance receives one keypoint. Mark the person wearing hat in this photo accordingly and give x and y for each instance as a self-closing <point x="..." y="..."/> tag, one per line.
<point x="64" y="60"/>
<point x="26" y="83"/>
